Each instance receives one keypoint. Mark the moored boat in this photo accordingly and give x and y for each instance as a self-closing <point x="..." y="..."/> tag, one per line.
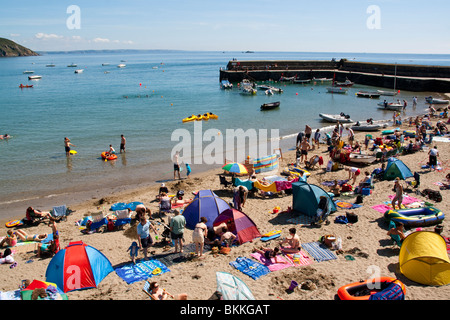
<point x="335" y="118"/>
<point x="225" y="84"/>
<point x="365" y="94"/>
<point x="34" y="77"/>
<point x="72" y="65"/>
<point x="323" y="79"/>
<point x="122" y="65"/>
<point x="432" y="100"/>
<point x="346" y="83"/>
<point x="362" y="158"/>
<point x="79" y="71"/>
<point x="387" y="93"/>
<point x="26" y="86"/>
<point x="337" y="90"/>
<point x="390" y="105"/>
<point x="366" y="127"/>
<point x="28" y="72"/>
<point x="270" y="106"/>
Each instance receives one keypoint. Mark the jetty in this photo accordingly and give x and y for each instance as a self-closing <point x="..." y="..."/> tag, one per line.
<point x="410" y="77"/>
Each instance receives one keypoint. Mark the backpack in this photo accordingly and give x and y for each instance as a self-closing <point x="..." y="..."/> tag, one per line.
<point x="351" y="217"/>
<point x="432" y="195"/>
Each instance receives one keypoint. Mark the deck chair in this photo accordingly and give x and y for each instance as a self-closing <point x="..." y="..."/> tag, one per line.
<point x="165" y="206"/>
<point x="98" y="220"/>
<point x="59" y="213"/>
<point x="123" y="218"/>
<point x="312" y="162"/>
<point x="225" y="182"/>
<point x="146" y="289"/>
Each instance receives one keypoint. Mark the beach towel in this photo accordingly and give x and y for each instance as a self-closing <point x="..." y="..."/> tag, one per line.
<point x="283" y="185"/>
<point x="346" y="205"/>
<point x="407" y="199"/>
<point x="331" y="183"/>
<point x="246" y="183"/>
<point x="249" y="267"/>
<point x="319" y="251"/>
<point x="299" y="259"/>
<point x="142" y="270"/>
<point x="271" y="263"/>
<point x="270" y="188"/>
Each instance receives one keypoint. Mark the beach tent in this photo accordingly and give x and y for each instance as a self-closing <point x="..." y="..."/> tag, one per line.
<point x="423" y="258"/>
<point x="241" y="225"/>
<point x="396" y="168"/>
<point x="205" y="204"/>
<point x="306" y="197"/>
<point x="78" y="267"/>
<point x="232" y="288"/>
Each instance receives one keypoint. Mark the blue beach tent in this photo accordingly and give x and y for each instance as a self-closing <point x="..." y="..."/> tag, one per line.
<point x="306" y="198"/>
<point x="396" y="168"/>
<point x="205" y="204"/>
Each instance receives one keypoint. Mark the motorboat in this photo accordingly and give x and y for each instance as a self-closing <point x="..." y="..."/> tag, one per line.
<point x="28" y="72"/>
<point x="105" y="64"/>
<point x="395" y="106"/>
<point x="25" y="86"/>
<point x="72" y="65"/>
<point x="287" y="79"/>
<point x="225" y="84"/>
<point x="335" y="118"/>
<point x="267" y="87"/>
<point x="270" y="106"/>
<point x="323" y="79"/>
<point x="122" y="65"/>
<point x="432" y="100"/>
<point x="346" y="83"/>
<point x="51" y="65"/>
<point x="337" y="90"/>
<point x="34" y="77"/>
<point x="387" y="93"/>
<point x="302" y="81"/>
<point x="79" y="71"/>
<point x="248" y="90"/>
<point x="362" y="158"/>
<point x="366" y="127"/>
<point x="365" y="94"/>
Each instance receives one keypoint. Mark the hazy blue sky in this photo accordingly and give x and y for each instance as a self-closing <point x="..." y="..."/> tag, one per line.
<point x="397" y="26"/>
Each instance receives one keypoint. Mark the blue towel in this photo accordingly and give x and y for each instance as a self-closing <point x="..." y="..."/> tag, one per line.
<point x="142" y="270"/>
<point x="249" y="267"/>
<point x="319" y="251"/>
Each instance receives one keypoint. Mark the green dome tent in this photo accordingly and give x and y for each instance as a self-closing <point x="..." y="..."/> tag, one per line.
<point x="306" y="198"/>
<point x="396" y="168"/>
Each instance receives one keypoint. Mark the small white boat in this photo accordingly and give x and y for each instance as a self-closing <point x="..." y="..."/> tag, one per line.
<point x="346" y="83"/>
<point x="79" y="71"/>
<point x="154" y="67"/>
<point x="387" y="93"/>
<point x="432" y="100"/>
<point x="267" y="87"/>
<point x="335" y="118"/>
<point x="225" y="84"/>
<point x="34" y="77"/>
<point x="302" y="81"/>
<point x="367" y="127"/>
<point x="283" y="78"/>
<point x="323" y="79"/>
<point x="248" y="90"/>
<point x="362" y="158"/>
<point x="122" y="65"/>
<point x="337" y="90"/>
<point x="28" y="72"/>
<point x="370" y="95"/>
<point x="395" y="106"/>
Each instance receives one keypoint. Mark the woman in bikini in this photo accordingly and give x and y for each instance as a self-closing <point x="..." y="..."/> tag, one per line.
<point x="10" y="239"/>
<point x="26" y="237"/>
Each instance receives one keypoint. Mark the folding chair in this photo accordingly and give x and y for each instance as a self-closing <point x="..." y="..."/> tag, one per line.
<point x="123" y="217"/>
<point x="98" y="220"/>
<point x="312" y="162"/>
<point x="146" y="289"/>
<point x="59" y="213"/>
<point x="225" y="182"/>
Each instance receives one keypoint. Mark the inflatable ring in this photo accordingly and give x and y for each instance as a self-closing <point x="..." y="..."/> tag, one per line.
<point x="156" y="271"/>
<point x="111" y="156"/>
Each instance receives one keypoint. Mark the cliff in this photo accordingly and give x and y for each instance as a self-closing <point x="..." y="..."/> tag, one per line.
<point x="9" y="48"/>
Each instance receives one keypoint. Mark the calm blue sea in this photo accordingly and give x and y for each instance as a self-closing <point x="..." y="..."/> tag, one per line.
<point x="146" y="102"/>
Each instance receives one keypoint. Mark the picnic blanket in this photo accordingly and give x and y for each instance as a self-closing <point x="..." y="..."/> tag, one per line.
<point x="249" y="267"/>
<point x="319" y="251"/>
<point x="142" y="270"/>
<point x="299" y="259"/>
<point x="271" y="263"/>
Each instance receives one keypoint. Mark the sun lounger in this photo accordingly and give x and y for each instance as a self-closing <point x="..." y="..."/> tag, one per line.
<point x="123" y="217"/>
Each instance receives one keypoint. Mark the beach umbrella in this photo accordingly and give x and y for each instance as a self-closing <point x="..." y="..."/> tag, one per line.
<point x="232" y="288"/>
<point x="78" y="267"/>
<point x="235" y="168"/>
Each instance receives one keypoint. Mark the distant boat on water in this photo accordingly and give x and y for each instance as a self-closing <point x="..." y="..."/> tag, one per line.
<point x="72" y="65"/>
<point x="105" y="64"/>
<point x="79" y="71"/>
<point x="270" y="106"/>
<point x="50" y="65"/>
<point x="225" y="84"/>
<point x="122" y="65"/>
<point x="34" y="77"/>
<point x="337" y="90"/>
<point x="28" y="72"/>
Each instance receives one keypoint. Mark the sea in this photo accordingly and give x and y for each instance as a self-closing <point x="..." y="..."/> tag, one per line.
<point x="146" y="101"/>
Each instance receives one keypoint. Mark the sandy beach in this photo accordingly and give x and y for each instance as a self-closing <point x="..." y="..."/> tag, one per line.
<point x="365" y="244"/>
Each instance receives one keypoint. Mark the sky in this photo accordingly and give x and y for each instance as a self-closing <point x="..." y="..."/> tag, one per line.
<point x="383" y="26"/>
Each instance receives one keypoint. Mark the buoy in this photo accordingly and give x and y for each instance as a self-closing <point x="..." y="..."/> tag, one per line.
<point x="296" y="93"/>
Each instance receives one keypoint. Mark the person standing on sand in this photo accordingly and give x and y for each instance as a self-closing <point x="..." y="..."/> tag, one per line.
<point x="304" y="148"/>
<point x="67" y="145"/>
<point x="177" y="224"/>
<point x="432" y="157"/>
<point x="308" y="132"/>
<point x="122" y="143"/>
<point x="351" y="136"/>
<point x="398" y="194"/>
<point x="176" y="165"/>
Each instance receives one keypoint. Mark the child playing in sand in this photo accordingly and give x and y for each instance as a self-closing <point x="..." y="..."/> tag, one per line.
<point x="133" y="251"/>
<point x="227" y="237"/>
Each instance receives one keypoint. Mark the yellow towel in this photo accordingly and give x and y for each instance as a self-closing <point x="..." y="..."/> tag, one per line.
<point x="270" y="188"/>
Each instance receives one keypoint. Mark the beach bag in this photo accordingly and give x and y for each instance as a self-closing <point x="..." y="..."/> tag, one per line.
<point x="346" y="187"/>
<point x="110" y="225"/>
<point x="225" y="250"/>
<point x="328" y="240"/>
<point x="432" y="195"/>
<point x="341" y="220"/>
<point x="351" y="217"/>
